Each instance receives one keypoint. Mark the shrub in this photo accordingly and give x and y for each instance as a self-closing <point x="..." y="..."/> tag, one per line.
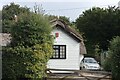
<point x="30" y="48"/>
<point x="115" y="57"/>
<point x="107" y="65"/>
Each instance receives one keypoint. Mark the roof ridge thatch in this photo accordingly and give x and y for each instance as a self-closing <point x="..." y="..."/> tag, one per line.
<point x="67" y="28"/>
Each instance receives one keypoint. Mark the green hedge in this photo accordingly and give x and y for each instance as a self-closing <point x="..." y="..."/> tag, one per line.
<point x="115" y="58"/>
<point x="107" y="65"/>
<point x="30" y="48"/>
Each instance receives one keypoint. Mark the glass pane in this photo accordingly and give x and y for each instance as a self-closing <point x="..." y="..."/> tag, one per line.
<point x="59" y="51"/>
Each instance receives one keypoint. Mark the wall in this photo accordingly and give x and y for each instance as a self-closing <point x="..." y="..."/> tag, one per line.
<point x="72" y="60"/>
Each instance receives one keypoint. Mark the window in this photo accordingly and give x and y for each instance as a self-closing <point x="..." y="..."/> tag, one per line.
<point x="59" y="52"/>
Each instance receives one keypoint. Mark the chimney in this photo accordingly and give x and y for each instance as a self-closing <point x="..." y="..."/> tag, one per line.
<point x="58" y="17"/>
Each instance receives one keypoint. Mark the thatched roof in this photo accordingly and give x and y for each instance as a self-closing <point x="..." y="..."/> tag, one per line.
<point x="4" y="39"/>
<point x="69" y="30"/>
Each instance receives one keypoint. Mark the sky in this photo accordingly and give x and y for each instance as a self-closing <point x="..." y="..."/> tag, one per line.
<point x="69" y="8"/>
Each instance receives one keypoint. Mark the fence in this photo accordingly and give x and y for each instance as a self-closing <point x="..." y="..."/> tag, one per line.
<point x="65" y="74"/>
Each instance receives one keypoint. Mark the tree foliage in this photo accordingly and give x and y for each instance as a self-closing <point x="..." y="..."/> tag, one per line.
<point x="98" y="26"/>
<point x="30" y="48"/>
<point x="8" y="13"/>
<point x="114" y="50"/>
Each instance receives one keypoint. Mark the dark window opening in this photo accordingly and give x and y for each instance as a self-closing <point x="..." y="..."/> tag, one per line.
<point x="59" y="52"/>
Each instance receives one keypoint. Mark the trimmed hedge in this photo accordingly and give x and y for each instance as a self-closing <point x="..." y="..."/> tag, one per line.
<point x="115" y="57"/>
<point x="30" y="48"/>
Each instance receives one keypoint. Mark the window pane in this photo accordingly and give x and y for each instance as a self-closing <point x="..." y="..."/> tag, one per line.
<point x="59" y="52"/>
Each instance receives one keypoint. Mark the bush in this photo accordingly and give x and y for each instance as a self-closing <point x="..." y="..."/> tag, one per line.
<point x="115" y="57"/>
<point x="107" y="65"/>
<point x="30" y="48"/>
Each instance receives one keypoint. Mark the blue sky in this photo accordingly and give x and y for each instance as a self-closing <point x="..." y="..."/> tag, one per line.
<point x="69" y="8"/>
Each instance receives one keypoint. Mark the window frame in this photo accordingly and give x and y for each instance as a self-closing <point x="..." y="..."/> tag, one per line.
<point x="59" y="50"/>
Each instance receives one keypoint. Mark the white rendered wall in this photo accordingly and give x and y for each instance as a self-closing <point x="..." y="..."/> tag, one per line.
<point x="72" y="60"/>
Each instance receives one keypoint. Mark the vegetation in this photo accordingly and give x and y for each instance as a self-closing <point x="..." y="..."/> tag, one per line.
<point x="98" y="26"/>
<point x="31" y="43"/>
<point x="30" y="48"/>
<point x="114" y="50"/>
<point x="107" y="64"/>
<point x="8" y="13"/>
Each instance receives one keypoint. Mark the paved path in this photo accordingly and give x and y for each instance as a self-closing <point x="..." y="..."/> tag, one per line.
<point x="72" y="76"/>
<point x="79" y="75"/>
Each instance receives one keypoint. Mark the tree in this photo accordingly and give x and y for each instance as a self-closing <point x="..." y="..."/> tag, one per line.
<point x="8" y="13"/>
<point x="38" y="9"/>
<point x="114" y="53"/>
<point x="30" y="48"/>
<point x="98" y="26"/>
